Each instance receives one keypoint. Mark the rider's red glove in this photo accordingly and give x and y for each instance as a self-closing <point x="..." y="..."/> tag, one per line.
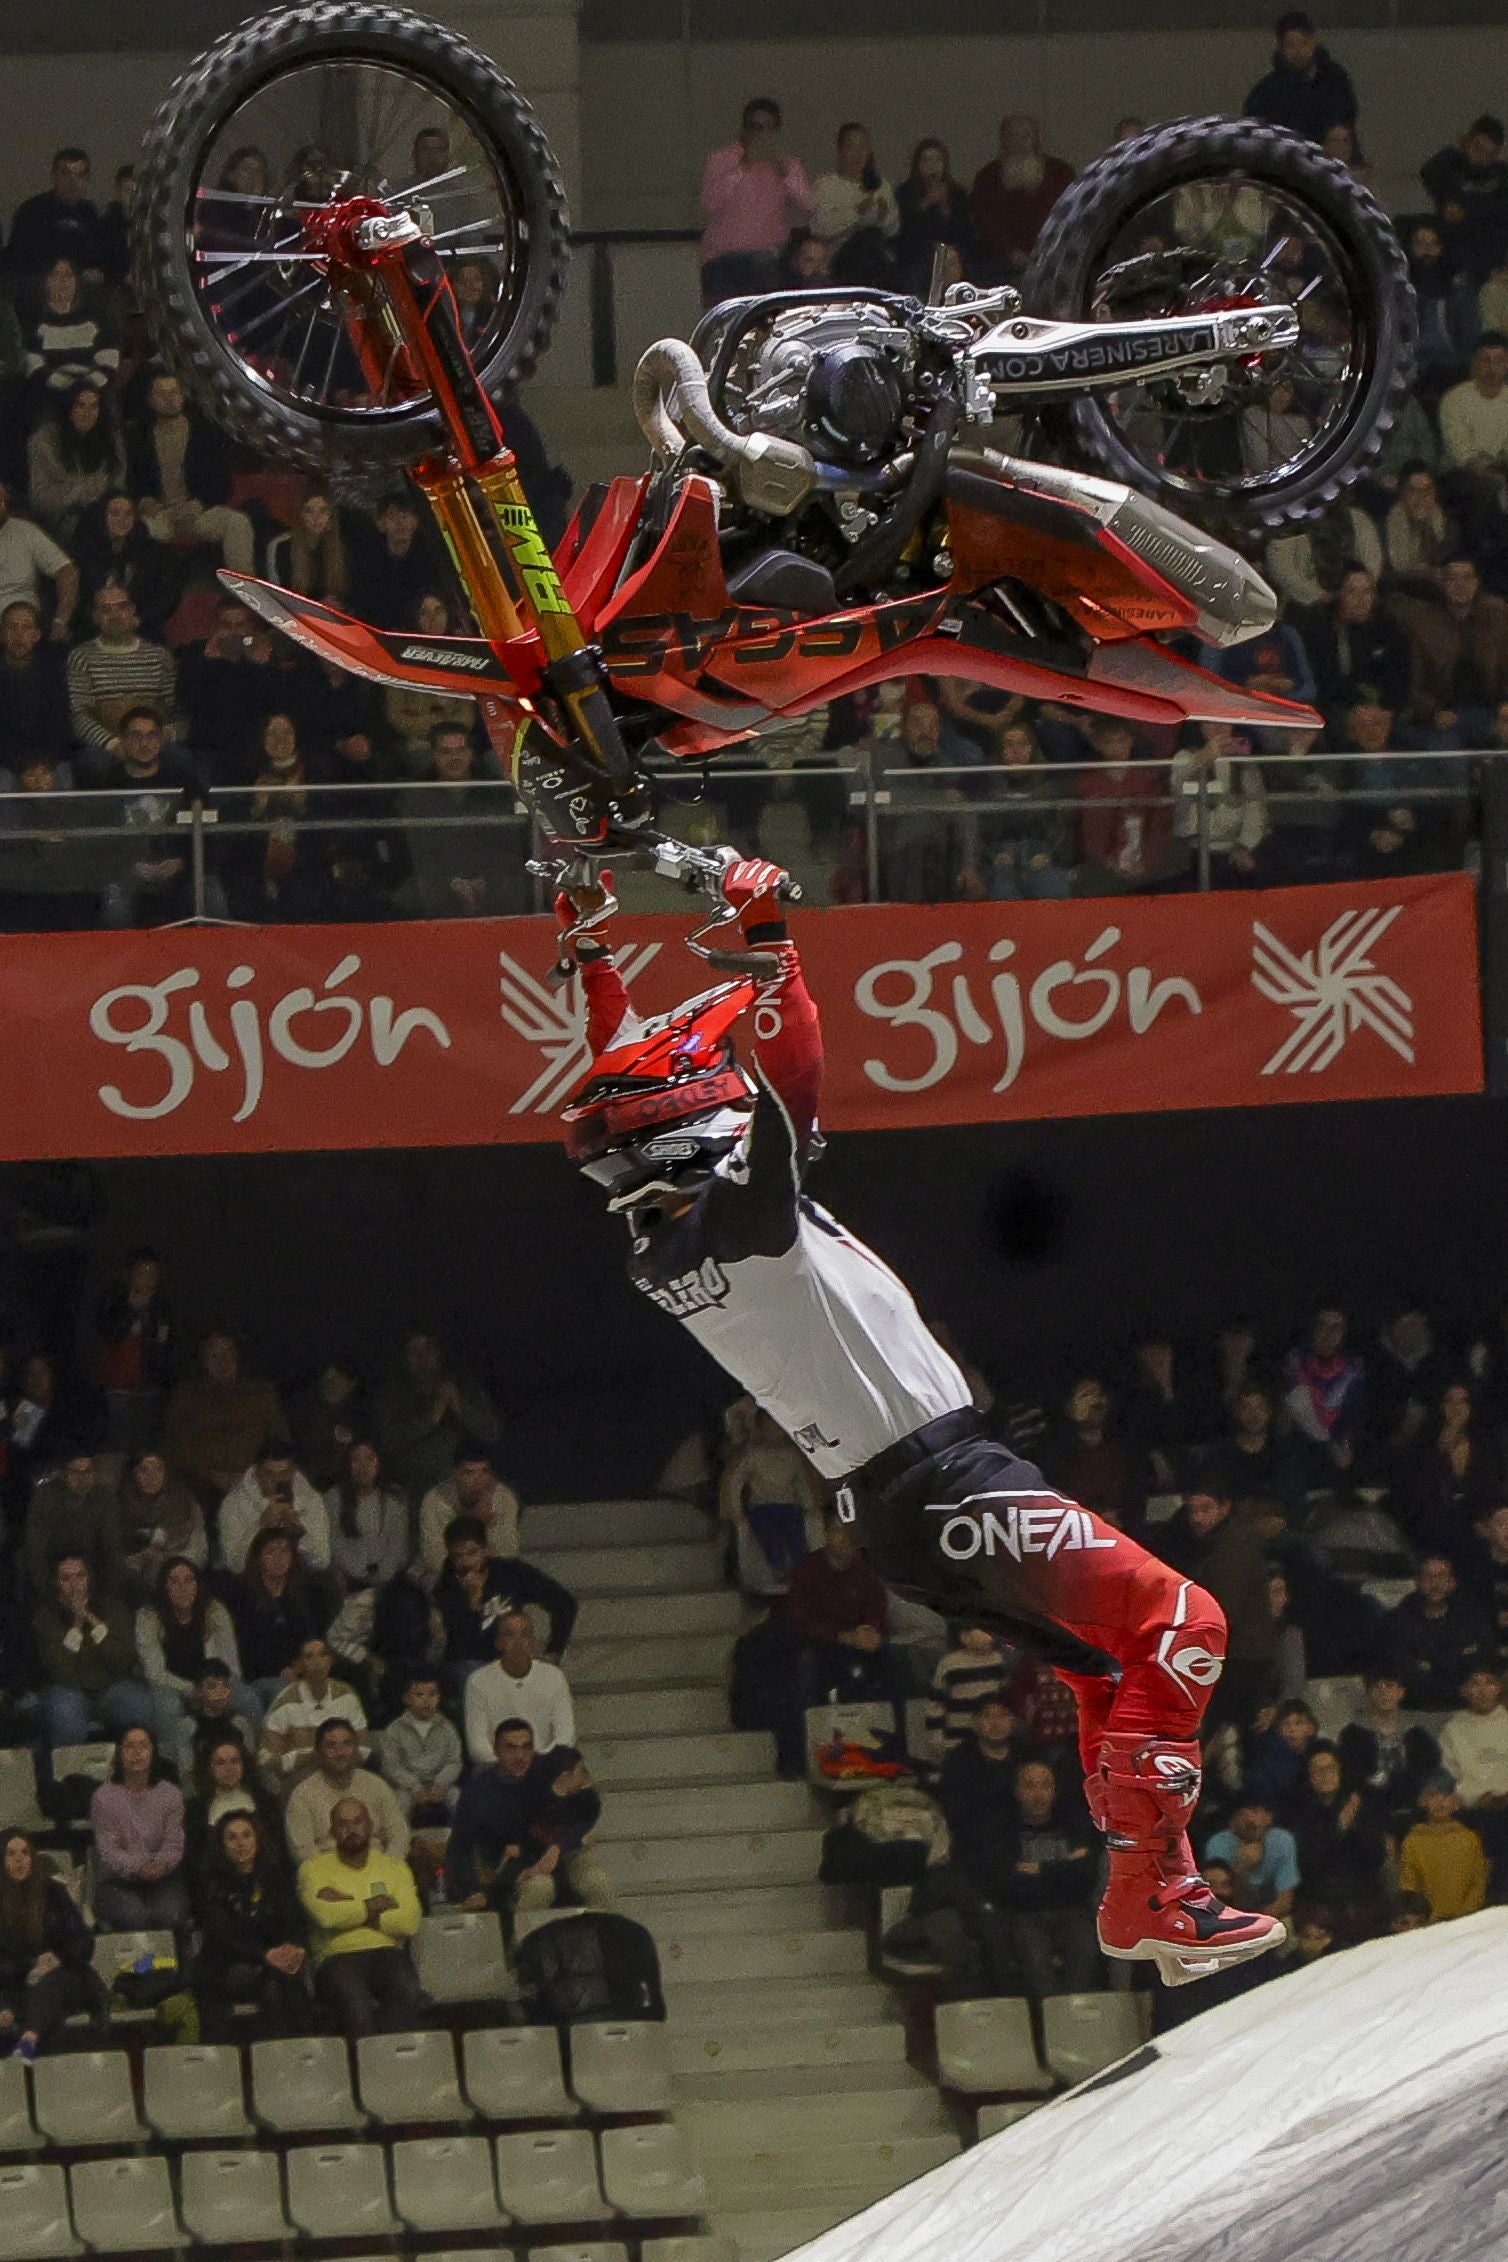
<point x="590" y="942"/>
<point x="753" y="880"/>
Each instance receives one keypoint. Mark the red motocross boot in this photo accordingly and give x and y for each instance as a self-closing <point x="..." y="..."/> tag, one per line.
<point x="1157" y="1907"/>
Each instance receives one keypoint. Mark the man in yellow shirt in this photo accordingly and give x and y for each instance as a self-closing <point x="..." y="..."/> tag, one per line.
<point x="363" y="1906"/>
<point x="1442" y="1858"/>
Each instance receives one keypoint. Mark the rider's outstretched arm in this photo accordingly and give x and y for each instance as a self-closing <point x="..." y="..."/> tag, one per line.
<point x="610" y="1016"/>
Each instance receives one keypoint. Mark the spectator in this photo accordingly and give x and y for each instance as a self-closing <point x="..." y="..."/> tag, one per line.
<point x="133" y="1329"/>
<point x="363" y="1906"/>
<point x="280" y="872"/>
<point x="43" y="886"/>
<point x="179" y="472"/>
<point x="225" y="1783"/>
<point x="931" y="209"/>
<point x="228" y="686"/>
<point x="1351" y="642"/>
<point x="1252" y="1463"/>
<point x="68" y="345"/>
<point x="1460" y="652"/>
<point x="74" y="459"/>
<point x="294" y="1718"/>
<point x="113" y="241"/>
<point x="421" y="1753"/>
<point x="840" y="1614"/>
<point x="1411" y="1912"/>
<point x="462" y="863"/>
<point x="34" y="718"/>
<point x="1019" y="848"/>
<point x="1308" y="567"/>
<point x="1306" y="90"/>
<point x="1278" y="1757"/>
<point x="1419" y="537"/>
<point x="176" y="1636"/>
<point x="310" y="555"/>
<point x="1275" y="663"/>
<point x="1325" y="1394"/>
<point x="1087" y="1459"/>
<point x="75" y="1513"/>
<point x="212" y="1711"/>
<point x="1468" y="184"/>
<point x="137" y="1821"/>
<point x="1405" y="1380"/>
<point x="253" y="1932"/>
<point x="1125" y="822"/>
<point x="517" y="1685"/>
<point x="159" y="1519"/>
<point x="325" y="1421"/>
<point x="1382" y="1754"/>
<point x="1434" y="1637"/>
<point x="1442" y="1858"/>
<point x="476" y="1591"/>
<point x="976" y="1790"/>
<point x="473" y="1489"/>
<point x="975" y="1671"/>
<point x="218" y="1417"/>
<point x="277" y="1604"/>
<point x="46" y="1954"/>
<point x="1050" y="1884"/>
<point x="475" y="285"/>
<point x="413" y="716"/>
<point x="1292" y="1658"/>
<point x="28" y="559"/>
<point x="1474" y="414"/>
<point x="113" y="549"/>
<point x="154" y="885"/>
<point x="273" y="1494"/>
<point x="1218" y="795"/>
<point x="771" y="1498"/>
<point x="1474" y="1750"/>
<point x="521" y="1827"/>
<point x="1012" y="196"/>
<point x="337" y="1774"/>
<point x="1263" y="1858"/>
<point x="922" y="845"/>
<point x="59" y="223"/>
<point x="854" y="209"/>
<point x="1225" y="1555"/>
<point x="1449" y="316"/>
<point x="368" y="1522"/>
<point x="420" y="1417"/>
<point x="390" y="576"/>
<point x="1491" y="1578"/>
<point x="753" y="193"/>
<point x="1448" y="1479"/>
<point x="117" y="671"/>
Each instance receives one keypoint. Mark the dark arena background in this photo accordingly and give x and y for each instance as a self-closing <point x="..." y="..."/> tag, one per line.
<point x="465" y="1787"/>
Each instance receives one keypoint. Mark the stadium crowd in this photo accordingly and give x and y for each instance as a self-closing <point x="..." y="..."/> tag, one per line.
<point x="124" y="676"/>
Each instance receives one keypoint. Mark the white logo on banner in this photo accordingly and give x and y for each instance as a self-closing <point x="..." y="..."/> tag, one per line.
<point x="555" y="1020"/>
<point x="1332" y="991"/>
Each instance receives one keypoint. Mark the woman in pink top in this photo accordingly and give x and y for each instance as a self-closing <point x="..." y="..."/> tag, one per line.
<point x="754" y="195"/>
<point x="137" y="1819"/>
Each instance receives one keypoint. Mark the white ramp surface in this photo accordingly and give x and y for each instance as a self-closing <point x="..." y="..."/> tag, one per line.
<point x="1353" y="2112"/>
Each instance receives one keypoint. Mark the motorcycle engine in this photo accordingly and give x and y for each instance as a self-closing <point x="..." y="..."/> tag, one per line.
<point x="835" y="379"/>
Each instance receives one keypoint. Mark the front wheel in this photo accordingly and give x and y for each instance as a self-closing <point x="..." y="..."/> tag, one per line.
<point x="307" y="106"/>
<point x="1212" y="213"/>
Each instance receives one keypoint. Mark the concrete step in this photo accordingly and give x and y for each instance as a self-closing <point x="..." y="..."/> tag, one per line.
<point x="678" y="1567"/>
<point x="749" y="1909"/>
<point x="650" y="1713"/>
<point x="642" y="1762"/>
<point x="766" y="2235"/>
<point x="865" y="2171"/>
<point x="678" y="1660"/>
<point x="722" y="2006"/>
<point x="609" y="1617"/>
<point x="714" y="1810"/>
<point x="776" y="1857"/>
<point x="726" y="2114"/>
<point x="611" y="1523"/>
<point x="742" y="2049"/>
<point x="794" y="1958"/>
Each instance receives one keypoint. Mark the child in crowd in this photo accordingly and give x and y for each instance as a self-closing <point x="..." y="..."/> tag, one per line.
<point x="1442" y="1858"/>
<point x="980" y="1665"/>
<point x="421" y="1754"/>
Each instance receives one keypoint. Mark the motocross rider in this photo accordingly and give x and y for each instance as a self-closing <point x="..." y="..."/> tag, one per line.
<point x="707" y="1166"/>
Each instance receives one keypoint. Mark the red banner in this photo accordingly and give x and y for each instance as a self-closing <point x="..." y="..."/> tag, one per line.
<point x="236" y="1040"/>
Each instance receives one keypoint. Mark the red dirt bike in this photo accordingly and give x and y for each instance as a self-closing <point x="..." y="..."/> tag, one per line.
<point x="1212" y="340"/>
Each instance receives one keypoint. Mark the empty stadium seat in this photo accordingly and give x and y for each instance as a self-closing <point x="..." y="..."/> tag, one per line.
<point x="987" y="2045"/>
<point x="460" y="1957"/>
<point x="85" y="2099"/>
<point x="550" y="2176"/>
<point x="993" y="2118"/>
<point x="592" y="2252"/>
<point x="512" y="2073"/>
<point x="195" y="2091"/>
<point x="18" y="2131"/>
<point x="303" y="2084"/>
<point x="340" y="2191"/>
<point x="694" y="2248"/>
<point x="115" y="1952"/>
<point x="34" y="2221"/>
<point x="18" y="1792"/>
<point x="621" y="2067"/>
<point x="124" y="2206"/>
<point x="445" y="2183"/>
<point x="403" y="2078"/>
<point x="649" y="2171"/>
<point x="233" y="2198"/>
<point x="1082" y="2034"/>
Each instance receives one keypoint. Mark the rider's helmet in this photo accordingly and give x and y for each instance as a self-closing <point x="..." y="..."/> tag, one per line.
<point x="661" y="1110"/>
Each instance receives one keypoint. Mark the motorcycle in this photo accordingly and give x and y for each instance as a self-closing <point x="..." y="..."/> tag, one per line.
<point x="1212" y="340"/>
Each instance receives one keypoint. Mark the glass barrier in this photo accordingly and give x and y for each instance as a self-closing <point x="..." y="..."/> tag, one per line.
<point x="851" y="826"/>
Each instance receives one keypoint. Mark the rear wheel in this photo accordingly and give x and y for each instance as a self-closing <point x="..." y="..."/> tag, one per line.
<point x="297" y="110"/>
<point x="1211" y="213"/>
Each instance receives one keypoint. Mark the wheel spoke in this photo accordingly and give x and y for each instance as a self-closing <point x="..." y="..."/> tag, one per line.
<point x="283" y="306"/>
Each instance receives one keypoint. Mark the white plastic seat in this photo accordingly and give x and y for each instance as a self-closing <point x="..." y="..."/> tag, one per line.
<point x="697" y="2247"/>
<point x="593" y="2251"/>
<point x="115" y="1952"/>
<point x="987" y="2045"/>
<point x="233" y="2198"/>
<point x="460" y="1957"/>
<point x="512" y="2073"/>
<point x="621" y="2066"/>
<point x="19" y="1809"/>
<point x="18" y="2131"/>
<point x="85" y="2099"/>
<point x="550" y="2176"/>
<point x="303" y="2084"/>
<point x="446" y="2183"/>
<point x="195" y="2091"/>
<point x="993" y="2118"/>
<point x="124" y="2206"/>
<point x="1083" y="2034"/>
<point x="34" y="2220"/>
<point x="340" y="2191"/>
<point x="404" y="2078"/>
<point x="649" y="2171"/>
